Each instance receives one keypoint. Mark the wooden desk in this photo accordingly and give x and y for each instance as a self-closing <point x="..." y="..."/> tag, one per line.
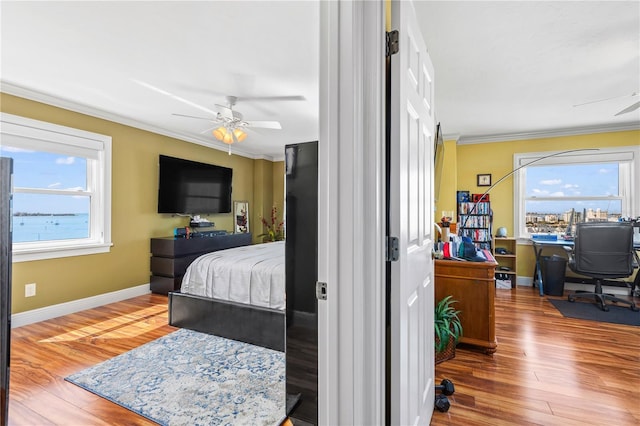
<point x="472" y="285"/>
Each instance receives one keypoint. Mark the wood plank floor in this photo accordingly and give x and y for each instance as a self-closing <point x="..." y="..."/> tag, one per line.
<point x="548" y="370"/>
<point x="43" y="354"/>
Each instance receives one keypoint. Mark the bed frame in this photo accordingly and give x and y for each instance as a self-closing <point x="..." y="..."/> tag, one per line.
<point x="250" y="324"/>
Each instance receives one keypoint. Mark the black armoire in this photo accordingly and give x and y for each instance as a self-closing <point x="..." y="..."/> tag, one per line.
<point x="301" y="268"/>
<point x="6" y="170"/>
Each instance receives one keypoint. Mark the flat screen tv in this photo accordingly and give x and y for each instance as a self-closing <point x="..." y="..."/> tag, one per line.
<point x="190" y="188"/>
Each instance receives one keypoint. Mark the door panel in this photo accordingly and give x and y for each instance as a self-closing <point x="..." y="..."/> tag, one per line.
<point x="411" y="218"/>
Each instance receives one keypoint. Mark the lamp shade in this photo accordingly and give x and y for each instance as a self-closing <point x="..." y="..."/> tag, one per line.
<point x="223" y="134"/>
<point x="240" y="135"/>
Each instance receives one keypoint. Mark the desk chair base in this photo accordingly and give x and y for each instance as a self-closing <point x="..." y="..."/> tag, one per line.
<point x="600" y="297"/>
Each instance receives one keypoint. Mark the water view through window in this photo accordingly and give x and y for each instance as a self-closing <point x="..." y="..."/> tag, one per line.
<point x="50" y="200"/>
<point x="562" y="194"/>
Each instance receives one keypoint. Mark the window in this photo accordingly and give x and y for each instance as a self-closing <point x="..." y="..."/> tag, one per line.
<point x="553" y="191"/>
<point x="61" y="189"/>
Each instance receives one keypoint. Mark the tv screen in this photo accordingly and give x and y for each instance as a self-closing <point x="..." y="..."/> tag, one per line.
<point x="190" y="187"/>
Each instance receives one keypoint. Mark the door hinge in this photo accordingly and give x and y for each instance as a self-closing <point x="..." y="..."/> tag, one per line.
<point x="393" y="252"/>
<point x="392" y="42"/>
<point x="321" y="290"/>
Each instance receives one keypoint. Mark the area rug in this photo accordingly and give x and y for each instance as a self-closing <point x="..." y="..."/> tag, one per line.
<point x="591" y="311"/>
<point x="191" y="378"/>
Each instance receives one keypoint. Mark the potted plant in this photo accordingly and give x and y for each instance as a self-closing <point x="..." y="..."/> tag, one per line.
<point x="448" y="329"/>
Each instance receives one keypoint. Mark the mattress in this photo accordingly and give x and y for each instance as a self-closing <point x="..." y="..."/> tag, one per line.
<point x="252" y="275"/>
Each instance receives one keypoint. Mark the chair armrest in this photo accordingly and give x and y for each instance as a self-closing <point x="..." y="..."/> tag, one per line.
<point x="571" y="260"/>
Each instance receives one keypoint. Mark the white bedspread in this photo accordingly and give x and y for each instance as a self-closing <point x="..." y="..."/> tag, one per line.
<point x="252" y="275"/>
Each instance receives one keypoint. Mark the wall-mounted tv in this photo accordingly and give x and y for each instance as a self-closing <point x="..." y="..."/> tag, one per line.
<point x="189" y="187"/>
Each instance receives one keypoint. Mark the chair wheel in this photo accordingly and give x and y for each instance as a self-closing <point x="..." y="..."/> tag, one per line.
<point x="634" y="308"/>
<point x="571" y="299"/>
<point x="605" y="308"/>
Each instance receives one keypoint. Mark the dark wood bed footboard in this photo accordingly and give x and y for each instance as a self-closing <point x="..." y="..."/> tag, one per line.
<point x="250" y="324"/>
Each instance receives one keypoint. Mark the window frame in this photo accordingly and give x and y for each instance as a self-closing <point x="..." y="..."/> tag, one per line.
<point x="628" y="158"/>
<point x="22" y="132"/>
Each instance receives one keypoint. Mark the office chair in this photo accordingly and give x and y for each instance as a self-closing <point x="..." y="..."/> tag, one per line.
<point x="602" y="250"/>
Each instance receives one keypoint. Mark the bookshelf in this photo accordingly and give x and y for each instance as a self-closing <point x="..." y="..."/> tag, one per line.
<point x="475" y="221"/>
<point x="506" y="257"/>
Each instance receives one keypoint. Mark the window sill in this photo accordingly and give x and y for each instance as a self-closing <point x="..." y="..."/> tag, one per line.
<point x="42" y="253"/>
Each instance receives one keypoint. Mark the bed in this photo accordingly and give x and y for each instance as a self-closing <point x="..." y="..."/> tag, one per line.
<point x="238" y="293"/>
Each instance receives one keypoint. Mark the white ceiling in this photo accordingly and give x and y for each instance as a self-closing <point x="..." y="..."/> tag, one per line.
<point x="517" y="68"/>
<point x="503" y="69"/>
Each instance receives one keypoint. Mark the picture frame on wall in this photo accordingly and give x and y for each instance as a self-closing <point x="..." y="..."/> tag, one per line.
<point x="290" y="156"/>
<point x="241" y="217"/>
<point x="484" y="179"/>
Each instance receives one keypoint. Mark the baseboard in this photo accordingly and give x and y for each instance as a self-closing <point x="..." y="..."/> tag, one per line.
<point x="54" y="311"/>
<point x="524" y="281"/>
<point x="620" y="291"/>
<point x="623" y="291"/>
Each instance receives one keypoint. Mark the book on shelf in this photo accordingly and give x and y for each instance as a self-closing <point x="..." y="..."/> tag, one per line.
<point x="475" y="221"/>
<point x="474" y="208"/>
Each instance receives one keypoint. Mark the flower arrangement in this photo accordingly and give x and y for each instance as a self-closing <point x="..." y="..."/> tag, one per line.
<point x="274" y="231"/>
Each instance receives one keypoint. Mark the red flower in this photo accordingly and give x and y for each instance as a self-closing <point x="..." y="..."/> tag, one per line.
<point x="274" y="231"/>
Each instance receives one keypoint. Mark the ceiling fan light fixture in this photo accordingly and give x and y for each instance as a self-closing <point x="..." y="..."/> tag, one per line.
<point x="225" y="135"/>
<point x="239" y="134"/>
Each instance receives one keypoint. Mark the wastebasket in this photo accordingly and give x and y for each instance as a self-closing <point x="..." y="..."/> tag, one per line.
<point x="553" y="273"/>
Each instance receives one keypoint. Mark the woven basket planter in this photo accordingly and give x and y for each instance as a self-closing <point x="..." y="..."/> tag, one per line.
<point x="448" y="353"/>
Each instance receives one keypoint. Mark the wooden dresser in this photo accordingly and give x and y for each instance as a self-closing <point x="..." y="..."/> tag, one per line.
<point x="472" y="285"/>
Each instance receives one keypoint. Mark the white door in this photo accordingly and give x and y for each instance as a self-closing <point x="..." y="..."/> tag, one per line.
<point x="411" y="221"/>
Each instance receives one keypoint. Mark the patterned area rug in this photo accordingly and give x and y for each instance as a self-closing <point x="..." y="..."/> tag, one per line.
<point x="191" y="378"/>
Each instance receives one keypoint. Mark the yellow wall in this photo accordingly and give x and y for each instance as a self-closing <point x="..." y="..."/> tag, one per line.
<point x="448" y="182"/>
<point x="278" y="187"/>
<point x="497" y="158"/>
<point x="133" y="212"/>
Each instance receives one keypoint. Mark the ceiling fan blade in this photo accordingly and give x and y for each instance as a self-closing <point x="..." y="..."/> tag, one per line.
<point x="607" y="99"/>
<point x="264" y="124"/>
<point x="629" y="108"/>
<point x="209" y="129"/>
<point x="272" y="98"/>
<point x="193" y="116"/>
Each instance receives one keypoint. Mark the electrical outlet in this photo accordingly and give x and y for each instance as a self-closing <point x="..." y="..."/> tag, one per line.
<point x="30" y="290"/>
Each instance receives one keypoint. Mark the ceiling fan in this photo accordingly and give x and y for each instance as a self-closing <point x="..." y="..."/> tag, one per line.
<point x="230" y="125"/>
<point x="630" y="108"/>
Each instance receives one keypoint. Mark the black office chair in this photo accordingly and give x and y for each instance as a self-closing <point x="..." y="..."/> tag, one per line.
<point x="602" y="250"/>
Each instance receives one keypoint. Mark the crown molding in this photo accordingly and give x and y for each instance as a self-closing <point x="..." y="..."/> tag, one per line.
<point x="551" y="133"/>
<point x="45" y="98"/>
<point x="451" y="137"/>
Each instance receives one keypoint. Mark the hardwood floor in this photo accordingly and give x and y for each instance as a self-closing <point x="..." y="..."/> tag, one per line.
<point x="548" y="370"/>
<point x="43" y="354"/>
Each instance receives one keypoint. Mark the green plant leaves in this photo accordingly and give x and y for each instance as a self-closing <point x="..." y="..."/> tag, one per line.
<point x="446" y="323"/>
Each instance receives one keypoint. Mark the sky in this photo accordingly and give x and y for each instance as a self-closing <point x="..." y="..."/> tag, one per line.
<point x="581" y="180"/>
<point x="36" y="169"/>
